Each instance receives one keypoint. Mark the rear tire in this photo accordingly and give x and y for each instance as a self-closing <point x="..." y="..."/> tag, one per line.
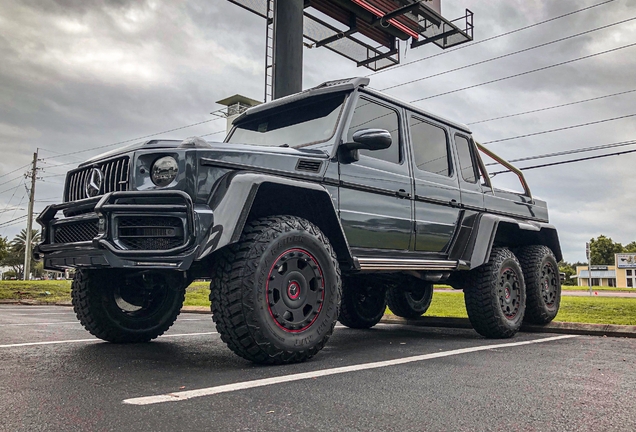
<point x="275" y="294"/>
<point x="363" y="302"/>
<point x="410" y="301"/>
<point x="495" y="295"/>
<point x="123" y="309"/>
<point x="543" y="284"/>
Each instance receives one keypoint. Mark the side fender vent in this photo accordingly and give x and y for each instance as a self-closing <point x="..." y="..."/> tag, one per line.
<point x="308" y="165"/>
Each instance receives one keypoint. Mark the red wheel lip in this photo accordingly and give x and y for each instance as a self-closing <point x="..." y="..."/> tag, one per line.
<point x="322" y="280"/>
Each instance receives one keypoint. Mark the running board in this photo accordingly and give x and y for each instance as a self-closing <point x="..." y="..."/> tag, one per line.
<point x="405" y="264"/>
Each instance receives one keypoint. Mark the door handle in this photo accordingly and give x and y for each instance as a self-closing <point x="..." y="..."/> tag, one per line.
<point x="403" y="194"/>
<point x="453" y="203"/>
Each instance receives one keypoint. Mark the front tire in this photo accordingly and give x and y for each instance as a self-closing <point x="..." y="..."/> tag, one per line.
<point x="411" y="301"/>
<point x="125" y="308"/>
<point x="276" y="293"/>
<point x="363" y="302"/>
<point x="543" y="284"/>
<point x="495" y="295"/>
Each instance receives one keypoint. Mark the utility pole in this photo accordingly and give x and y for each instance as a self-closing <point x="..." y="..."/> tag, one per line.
<point x="27" y="244"/>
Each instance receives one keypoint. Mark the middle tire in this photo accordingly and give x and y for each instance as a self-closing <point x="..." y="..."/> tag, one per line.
<point x="411" y="301"/>
<point x="276" y="293"/>
<point x="363" y="302"/>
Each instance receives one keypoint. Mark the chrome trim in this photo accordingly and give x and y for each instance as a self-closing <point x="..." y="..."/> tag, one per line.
<point x="405" y="264"/>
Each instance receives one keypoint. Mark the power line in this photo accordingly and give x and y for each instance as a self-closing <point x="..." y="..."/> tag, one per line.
<point x="567" y="161"/>
<point x="15" y="170"/>
<point x="526" y="73"/>
<point x="490" y="38"/>
<point x="13" y="179"/>
<point x="13" y="220"/>
<point x="559" y="129"/>
<point x="12" y="187"/>
<point x="551" y="107"/>
<point x="135" y="139"/>
<point x="508" y="55"/>
<point x="568" y="152"/>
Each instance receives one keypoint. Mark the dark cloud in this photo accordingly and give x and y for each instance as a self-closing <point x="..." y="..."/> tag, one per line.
<point x="76" y="75"/>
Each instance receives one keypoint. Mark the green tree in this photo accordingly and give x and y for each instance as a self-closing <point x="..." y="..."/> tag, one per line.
<point x="14" y="257"/>
<point x="602" y="250"/>
<point x="4" y="248"/>
<point x="569" y="270"/>
<point x="630" y="247"/>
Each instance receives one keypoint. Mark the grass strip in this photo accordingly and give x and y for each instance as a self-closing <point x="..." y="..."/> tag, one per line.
<point x="591" y="310"/>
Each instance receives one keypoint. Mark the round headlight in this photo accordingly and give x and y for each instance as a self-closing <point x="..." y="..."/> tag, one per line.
<point x="164" y="171"/>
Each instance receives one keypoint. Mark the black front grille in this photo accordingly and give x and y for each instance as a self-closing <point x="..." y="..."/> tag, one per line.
<point x="150" y="232"/>
<point x="75" y="232"/>
<point x="115" y="178"/>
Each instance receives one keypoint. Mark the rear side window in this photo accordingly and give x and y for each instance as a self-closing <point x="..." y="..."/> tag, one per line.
<point x="465" y="159"/>
<point x="371" y="115"/>
<point x="430" y="147"/>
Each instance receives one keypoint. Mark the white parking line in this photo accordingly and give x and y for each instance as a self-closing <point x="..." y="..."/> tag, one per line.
<point x="44" y="323"/>
<point x="94" y="340"/>
<point x="42" y="313"/>
<point x="189" y="394"/>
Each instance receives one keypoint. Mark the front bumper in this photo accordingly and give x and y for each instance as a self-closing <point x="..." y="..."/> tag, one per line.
<point x="135" y="229"/>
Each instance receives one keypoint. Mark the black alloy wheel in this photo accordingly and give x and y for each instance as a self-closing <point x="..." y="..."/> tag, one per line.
<point x="363" y="302"/>
<point x="410" y="298"/>
<point x="295" y="290"/>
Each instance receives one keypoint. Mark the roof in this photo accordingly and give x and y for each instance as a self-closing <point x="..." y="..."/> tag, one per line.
<point x="347" y="84"/>
<point x="600" y="274"/>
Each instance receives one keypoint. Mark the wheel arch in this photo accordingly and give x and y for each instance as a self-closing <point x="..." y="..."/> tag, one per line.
<point x="494" y="230"/>
<point x="243" y="196"/>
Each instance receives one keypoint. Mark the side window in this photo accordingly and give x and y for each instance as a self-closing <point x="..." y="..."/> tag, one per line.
<point x="371" y="115"/>
<point x="465" y="159"/>
<point x="430" y="147"/>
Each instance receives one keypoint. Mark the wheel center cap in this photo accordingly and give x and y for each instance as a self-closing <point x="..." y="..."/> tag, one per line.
<point x="507" y="293"/>
<point x="293" y="290"/>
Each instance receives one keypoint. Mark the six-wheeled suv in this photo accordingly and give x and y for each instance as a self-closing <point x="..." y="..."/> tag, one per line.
<point x="322" y="206"/>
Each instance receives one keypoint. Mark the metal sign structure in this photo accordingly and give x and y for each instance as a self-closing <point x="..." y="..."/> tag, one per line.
<point x="367" y="32"/>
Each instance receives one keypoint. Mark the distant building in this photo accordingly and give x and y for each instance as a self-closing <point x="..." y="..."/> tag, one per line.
<point x="621" y="275"/>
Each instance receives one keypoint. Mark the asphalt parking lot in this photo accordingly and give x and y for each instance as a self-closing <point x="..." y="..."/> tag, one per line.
<point x="55" y="376"/>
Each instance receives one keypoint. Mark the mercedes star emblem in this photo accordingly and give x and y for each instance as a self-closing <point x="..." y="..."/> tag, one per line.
<point x="93" y="182"/>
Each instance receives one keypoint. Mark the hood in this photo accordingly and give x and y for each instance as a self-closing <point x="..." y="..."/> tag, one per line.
<point x="199" y="143"/>
<point x="142" y="145"/>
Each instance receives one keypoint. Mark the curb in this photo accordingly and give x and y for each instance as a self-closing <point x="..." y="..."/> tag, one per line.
<point x="610" y="330"/>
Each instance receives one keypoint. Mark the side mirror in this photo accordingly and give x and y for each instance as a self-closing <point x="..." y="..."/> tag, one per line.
<point x="369" y="139"/>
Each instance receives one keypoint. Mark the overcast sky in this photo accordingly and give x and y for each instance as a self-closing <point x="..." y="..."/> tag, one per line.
<point x="76" y="75"/>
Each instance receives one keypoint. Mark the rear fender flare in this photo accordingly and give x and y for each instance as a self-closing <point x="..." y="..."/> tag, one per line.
<point x="490" y="230"/>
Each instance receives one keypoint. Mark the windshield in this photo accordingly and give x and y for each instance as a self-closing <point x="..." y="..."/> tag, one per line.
<point x="297" y="125"/>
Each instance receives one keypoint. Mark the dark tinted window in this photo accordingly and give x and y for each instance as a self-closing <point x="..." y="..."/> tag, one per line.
<point x="430" y="148"/>
<point x="307" y="122"/>
<point x="370" y="115"/>
<point x="465" y="159"/>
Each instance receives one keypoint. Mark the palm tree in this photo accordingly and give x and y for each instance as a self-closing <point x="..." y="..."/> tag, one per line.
<point x="18" y="243"/>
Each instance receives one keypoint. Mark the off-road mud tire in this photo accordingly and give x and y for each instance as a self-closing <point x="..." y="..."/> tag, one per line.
<point x="363" y="302"/>
<point x="543" y="284"/>
<point x="241" y="304"/>
<point x="93" y="294"/>
<point x="485" y="294"/>
<point x="410" y="301"/>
